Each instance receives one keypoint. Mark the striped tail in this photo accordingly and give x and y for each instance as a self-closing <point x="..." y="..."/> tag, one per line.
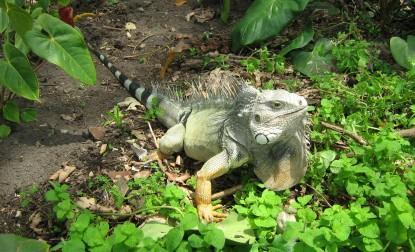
<point x="139" y="92"/>
<point x="170" y="110"/>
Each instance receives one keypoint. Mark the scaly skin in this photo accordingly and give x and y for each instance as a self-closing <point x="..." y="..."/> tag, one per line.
<point x="265" y="129"/>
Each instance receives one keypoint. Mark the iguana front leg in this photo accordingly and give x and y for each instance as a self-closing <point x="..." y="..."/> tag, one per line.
<point x="213" y="168"/>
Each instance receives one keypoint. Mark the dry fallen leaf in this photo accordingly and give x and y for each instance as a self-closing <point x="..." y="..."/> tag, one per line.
<point x="62" y="174"/>
<point x="201" y="15"/>
<point x="131" y="103"/>
<point x="103" y="149"/>
<point x="116" y="175"/>
<point x="142" y="174"/>
<point x="171" y="55"/>
<point x="180" y="2"/>
<point x="98" y="133"/>
<point x="35" y="219"/>
<point x="90" y="203"/>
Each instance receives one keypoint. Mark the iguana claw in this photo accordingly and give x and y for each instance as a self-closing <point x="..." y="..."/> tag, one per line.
<point x="207" y="213"/>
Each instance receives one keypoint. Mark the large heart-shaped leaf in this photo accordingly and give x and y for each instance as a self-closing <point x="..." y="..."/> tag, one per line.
<point x="17" y="74"/>
<point x="316" y="62"/>
<point x="265" y="19"/>
<point x="11" y="242"/>
<point x="61" y="45"/>
<point x="20" y="20"/>
<point x="4" y="20"/>
<point x="404" y="51"/>
<point x="299" y="42"/>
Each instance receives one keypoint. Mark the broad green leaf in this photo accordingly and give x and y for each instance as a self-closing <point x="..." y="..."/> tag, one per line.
<point x="189" y="221"/>
<point x="11" y="112"/>
<point x="155" y="230"/>
<point x="173" y="238"/>
<point x="224" y="13"/>
<point x="265" y="19"/>
<point x="73" y="245"/>
<point x="396" y="232"/>
<point x="62" y="45"/>
<point x="20" y="44"/>
<point x="215" y="238"/>
<point x="196" y="242"/>
<point x="4" y="20"/>
<point x="403" y="51"/>
<point x="369" y="229"/>
<point x="28" y="115"/>
<point x="299" y="42"/>
<point x="17" y="74"/>
<point x="20" y="20"/>
<point x="4" y="131"/>
<point x="237" y="229"/>
<point x="11" y="242"/>
<point x="44" y="4"/>
<point x="316" y="62"/>
<point x="36" y="12"/>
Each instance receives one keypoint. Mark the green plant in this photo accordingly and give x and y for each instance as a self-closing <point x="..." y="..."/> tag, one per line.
<point x="26" y="28"/>
<point x="154" y="111"/>
<point x="115" y="116"/>
<point x="269" y="62"/>
<point x="264" y="19"/>
<point x="62" y="203"/>
<point x="26" y="195"/>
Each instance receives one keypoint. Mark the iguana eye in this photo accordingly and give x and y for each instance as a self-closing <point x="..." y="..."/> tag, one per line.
<point x="277" y="104"/>
<point x="257" y="118"/>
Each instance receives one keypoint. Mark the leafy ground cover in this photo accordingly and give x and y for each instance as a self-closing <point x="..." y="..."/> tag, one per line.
<point x="358" y="192"/>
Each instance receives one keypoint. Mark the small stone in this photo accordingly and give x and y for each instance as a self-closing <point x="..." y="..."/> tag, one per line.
<point x="147" y="3"/>
<point x="140" y="9"/>
<point x="64" y="131"/>
<point x="283" y="218"/>
<point x="98" y="133"/>
<point x="18" y="214"/>
<point x="91" y="174"/>
<point x="141" y="153"/>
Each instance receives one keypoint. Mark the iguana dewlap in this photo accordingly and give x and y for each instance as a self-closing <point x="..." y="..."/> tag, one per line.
<point x="236" y="125"/>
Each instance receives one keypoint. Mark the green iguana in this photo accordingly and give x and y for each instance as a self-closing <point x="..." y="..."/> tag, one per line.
<point x="237" y="125"/>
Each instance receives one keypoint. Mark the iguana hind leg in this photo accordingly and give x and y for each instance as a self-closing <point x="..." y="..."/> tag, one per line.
<point x="172" y="141"/>
<point x="213" y="168"/>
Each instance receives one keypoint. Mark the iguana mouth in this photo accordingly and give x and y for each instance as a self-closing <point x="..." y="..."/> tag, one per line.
<point x="295" y="111"/>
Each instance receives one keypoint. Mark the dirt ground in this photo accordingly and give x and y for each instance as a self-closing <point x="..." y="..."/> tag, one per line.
<point x="60" y="135"/>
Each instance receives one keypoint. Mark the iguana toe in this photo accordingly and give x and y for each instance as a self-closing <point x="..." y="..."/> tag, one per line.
<point x="207" y="213"/>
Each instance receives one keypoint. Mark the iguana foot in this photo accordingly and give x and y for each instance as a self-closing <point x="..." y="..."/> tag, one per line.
<point x="207" y="213"/>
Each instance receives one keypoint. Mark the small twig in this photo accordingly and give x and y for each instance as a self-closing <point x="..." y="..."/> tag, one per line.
<point x="140" y="211"/>
<point x="39" y="65"/>
<point x="152" y="134"/>
<point x="407" y="132"/>
<point x="339" y="129"/>
<point x="112" y="28"/>
<point x="226" y="192"/>
<point x="319" y="194"/>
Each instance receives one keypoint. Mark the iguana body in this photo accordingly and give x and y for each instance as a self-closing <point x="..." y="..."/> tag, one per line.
<point x="266" y="129"/>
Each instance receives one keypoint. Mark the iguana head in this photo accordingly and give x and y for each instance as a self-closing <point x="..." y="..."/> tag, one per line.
<point x="276" y="113"/>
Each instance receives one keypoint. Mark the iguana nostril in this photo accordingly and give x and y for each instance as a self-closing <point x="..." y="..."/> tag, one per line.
<point x="257" y="118"/>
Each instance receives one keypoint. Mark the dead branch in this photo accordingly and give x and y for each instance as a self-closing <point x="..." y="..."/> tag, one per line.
<point x="339" y="129"/>
<point x="226" y="192"/>
<point x="407" y="132"/>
